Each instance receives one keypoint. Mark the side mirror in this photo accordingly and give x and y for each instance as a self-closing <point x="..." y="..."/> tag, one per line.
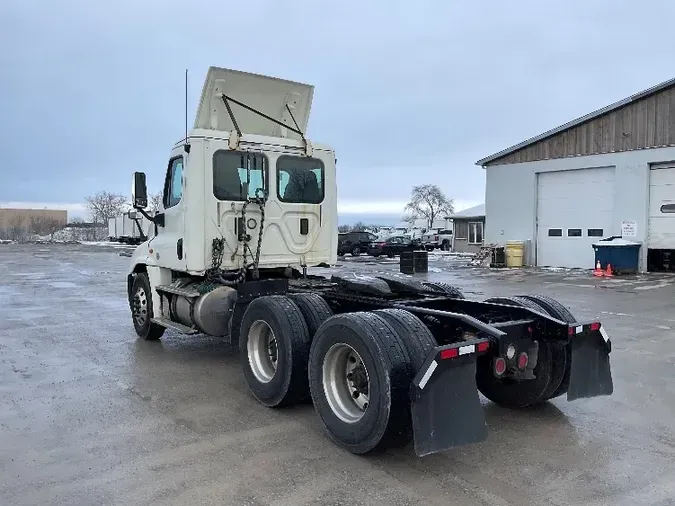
<point x="139" y="191"/>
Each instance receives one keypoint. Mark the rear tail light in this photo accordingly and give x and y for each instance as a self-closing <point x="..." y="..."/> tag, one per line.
<point x="451" y="353"/>
<point x="464" y="350"/>
<point x="499" y="366"/>
<point x="523" y="360"/>
<point x="435" y="238"/>
<point x="595" y="326"/>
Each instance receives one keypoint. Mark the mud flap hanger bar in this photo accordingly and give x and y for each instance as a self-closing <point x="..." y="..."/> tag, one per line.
<point x="469" y="320"/>
<point x="297" y="130"/>
<point x="445" y="407"/>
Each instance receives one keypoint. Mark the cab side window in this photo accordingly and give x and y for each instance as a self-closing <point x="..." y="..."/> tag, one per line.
<point x="173" y="185"/>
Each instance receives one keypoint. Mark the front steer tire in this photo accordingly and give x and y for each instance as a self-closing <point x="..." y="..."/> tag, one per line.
<point x="141" y="309"/>
<point x="386" y="420"/>
<point x="274" y="344"/>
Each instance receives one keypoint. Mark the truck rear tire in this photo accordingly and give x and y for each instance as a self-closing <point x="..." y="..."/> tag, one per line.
<point x="512" y="393"/>
<point x="314" y="309"/>
<point x="444" y="288"/>
<point x="141" y="309"/>
<point x="359" y="378"/>
<point x="561" y="356"/>
<point x="274" y="343"/>
<point x="415" y="336"/>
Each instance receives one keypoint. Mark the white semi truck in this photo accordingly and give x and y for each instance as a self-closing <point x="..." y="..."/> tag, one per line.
<point x="249" y="205"/>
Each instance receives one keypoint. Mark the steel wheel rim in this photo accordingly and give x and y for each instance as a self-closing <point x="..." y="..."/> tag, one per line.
<point x="140" y="307"/>
<point x="346" y="383"/>
<point x="262" y="351"/>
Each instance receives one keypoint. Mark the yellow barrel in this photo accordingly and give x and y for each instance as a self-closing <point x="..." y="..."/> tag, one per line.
<point x="514" y="253"/>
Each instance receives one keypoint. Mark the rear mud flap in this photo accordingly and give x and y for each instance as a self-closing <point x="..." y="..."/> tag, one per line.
<point x="590" y="372"/>
<point x="446" y="410"/>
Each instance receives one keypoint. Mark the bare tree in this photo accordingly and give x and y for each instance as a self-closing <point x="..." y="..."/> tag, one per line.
<point x="77" y="220"/>
<point x="105" y="205"/>
<point x="428" y="201"/>
<point x="359" y="226"/>
<point x="17" y="229"/>
<point x="344" y="228"/>
<point x="155" y="202"/>
<point x="44" y="225"/>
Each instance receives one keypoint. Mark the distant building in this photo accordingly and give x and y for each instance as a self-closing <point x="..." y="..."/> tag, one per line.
<point x="608" y="173"/>
<point x="18" y="222"/>
<point x="468" y="229"/>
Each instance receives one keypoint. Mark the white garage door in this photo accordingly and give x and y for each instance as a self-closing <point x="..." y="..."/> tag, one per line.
<point x="662" y="208"/>
<point x="575" y="208"/>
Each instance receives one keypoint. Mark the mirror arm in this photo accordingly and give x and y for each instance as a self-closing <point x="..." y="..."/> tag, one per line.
<point x="158" y="219"/>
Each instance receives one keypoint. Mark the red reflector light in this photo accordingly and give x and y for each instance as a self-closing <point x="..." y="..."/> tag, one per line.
<point x="595" y="326"/>
<point x="571" y="331"/>
<point x="483" y="346"/>
<point x="500" y="366"/>
<point x="451" y="353"/>
<point x="523" y="360"/>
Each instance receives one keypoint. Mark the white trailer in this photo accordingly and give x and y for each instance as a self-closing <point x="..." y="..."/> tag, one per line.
<point x="383" y="359"/>
<point x="112" y="229"/>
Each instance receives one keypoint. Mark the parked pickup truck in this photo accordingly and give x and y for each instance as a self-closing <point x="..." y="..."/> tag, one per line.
<point x="438" y="239"/>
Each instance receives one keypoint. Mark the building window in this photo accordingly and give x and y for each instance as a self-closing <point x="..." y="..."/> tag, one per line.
<point x="555" y="232"/>
<point x="461" y="230"/>
<point x="595" y="232"/>
<point x="233" y="169"/>
<point x="300" y="180"/>
<point x="476" y="232"/>
<point x="668" y="208"/>
<point x="573" y="232"/>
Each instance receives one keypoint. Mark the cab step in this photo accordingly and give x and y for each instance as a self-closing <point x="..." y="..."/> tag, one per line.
<point x="190" y="294"/>
<point x="166" y="323"/>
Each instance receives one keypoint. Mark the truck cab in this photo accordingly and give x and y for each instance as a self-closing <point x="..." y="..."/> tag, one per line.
<point x="244" y="191"/>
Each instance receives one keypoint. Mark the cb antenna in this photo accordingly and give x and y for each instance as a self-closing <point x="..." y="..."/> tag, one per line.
<point x="186" y="146"/>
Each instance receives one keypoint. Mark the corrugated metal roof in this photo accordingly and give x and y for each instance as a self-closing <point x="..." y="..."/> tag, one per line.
<point x="472" y="212"/>
<point x="612" y="107"/>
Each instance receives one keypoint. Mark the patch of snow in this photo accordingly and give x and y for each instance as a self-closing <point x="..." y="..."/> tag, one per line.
<point x="617" y="241"/>
<point x="62" y="284"/>
<point x="435" y="269"/>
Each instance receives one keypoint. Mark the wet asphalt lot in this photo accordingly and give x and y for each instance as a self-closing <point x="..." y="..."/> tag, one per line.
<point x="90" y="415"/>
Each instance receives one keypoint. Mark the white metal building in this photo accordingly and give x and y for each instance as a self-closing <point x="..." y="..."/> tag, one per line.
<point x="609" y="173"/>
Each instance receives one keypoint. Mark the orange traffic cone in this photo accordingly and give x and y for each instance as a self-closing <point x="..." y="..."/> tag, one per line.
<point x="608" y="271"/>
<point x="598" y="273"/>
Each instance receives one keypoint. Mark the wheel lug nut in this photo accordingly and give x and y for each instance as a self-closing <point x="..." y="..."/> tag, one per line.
<point x="352" y="360"/>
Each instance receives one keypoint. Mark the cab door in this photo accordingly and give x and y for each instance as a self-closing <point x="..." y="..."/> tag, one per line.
<point x="169" y="243"/>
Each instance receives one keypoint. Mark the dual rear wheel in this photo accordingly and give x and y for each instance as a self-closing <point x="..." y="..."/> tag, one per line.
<point x="552" y="372"/>
<point x="356" y="367"/>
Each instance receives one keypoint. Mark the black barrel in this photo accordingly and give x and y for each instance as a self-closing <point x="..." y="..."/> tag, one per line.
<point x="414" y="262"/>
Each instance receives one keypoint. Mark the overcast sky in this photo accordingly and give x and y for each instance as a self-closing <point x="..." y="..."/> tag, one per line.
<point x="406" y="92"/>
